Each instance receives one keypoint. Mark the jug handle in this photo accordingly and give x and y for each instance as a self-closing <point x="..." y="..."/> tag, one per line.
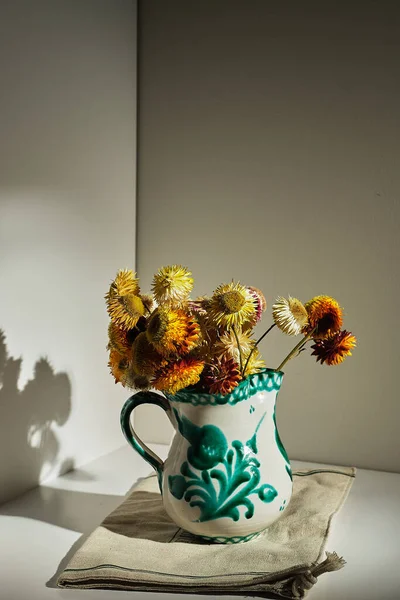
<point x="130" y="434"/>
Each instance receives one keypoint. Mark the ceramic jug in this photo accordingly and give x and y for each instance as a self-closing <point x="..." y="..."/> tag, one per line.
<point x="227" y="475"/>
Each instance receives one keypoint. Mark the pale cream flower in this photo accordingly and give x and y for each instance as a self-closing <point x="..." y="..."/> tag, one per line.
<point x="290" y="315"/>
<point x="227" y="344"/>
<point x="172" y="284"/>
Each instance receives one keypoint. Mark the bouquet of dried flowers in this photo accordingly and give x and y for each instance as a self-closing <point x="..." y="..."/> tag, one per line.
<point x="168" y="341"/>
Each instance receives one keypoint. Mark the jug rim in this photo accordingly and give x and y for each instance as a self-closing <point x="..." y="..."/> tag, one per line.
<point x="265" y="380"/>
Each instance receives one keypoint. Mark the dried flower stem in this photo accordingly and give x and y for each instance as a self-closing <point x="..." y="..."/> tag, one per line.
<point x="255" y="346"/>
<point x="296" y="349"/>
<point x="147" y="308"/>
<point x="301" y="349"/>
<point x="239" y="348"/>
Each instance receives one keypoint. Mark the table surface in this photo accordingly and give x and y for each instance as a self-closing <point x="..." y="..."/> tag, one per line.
<point x="40" y="531"/>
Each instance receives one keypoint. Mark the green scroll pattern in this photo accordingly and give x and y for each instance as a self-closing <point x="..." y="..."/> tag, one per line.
<point x="237" y="476"/>
<point x="282" y="450"/>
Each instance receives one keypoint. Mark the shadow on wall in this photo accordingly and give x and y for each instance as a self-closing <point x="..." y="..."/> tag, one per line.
<point x="27" y="417"/>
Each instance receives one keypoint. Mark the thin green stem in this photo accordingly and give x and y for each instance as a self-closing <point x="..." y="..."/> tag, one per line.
<point x="239" y="348"/>
<point x="255" y="346"/>
<point x="297" y="347"/>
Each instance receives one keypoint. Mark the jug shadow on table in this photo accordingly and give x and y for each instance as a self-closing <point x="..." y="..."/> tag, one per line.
<point x="142" y="516"/>
<point x="28" y="442"/>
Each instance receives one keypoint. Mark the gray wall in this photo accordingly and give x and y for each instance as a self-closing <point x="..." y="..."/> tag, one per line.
<point x="67" y="223"/>
<point x="269" y="150"/>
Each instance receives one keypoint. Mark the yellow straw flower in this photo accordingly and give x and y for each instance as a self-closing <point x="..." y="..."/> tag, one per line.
<point x="124" y="283"/>
<point x="123" y="304"/>
<point x="172" y="284"/>
<point x="290" y="315"/>
<point x="172" y="331"/>
<point x="324" y="316"/>
<point x="231" y="305"/>
<point x="125" y="311"/>
<point x="178" y="375"/>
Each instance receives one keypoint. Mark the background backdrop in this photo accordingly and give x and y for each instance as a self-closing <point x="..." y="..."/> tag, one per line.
<point x="269" y="153"/>
<point x="67" y="223"/>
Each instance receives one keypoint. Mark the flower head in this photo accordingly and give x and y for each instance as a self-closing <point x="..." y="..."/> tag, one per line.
<point x="119" y="366"/>
<point x="260" y="304"/>
<point x="172" y="284"/>
<point x="123" y="303"/>
<point x="228" y="345"/>
<point x="145" y="358"/>
<point x="118" y="339"/>
<point x="141" y="382"/>
<point x="178" y="375"/>
<point x="124" y="283"/>
<point x="199" y="306"/>
<point x="333" y="349"/>
<point x="231" y="304"/>
<point x="290" y="315"/>
<point x="148" y="302"/>
<point x="221" y="376"/>
<point x="125" y="311"/>
<point x="324" y="316"/>
<point x="172" y="331"/>
<point x="256" y="363"/>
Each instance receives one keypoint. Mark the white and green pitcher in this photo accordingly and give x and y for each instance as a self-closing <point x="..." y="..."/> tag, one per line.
<point x="227" y="475"/>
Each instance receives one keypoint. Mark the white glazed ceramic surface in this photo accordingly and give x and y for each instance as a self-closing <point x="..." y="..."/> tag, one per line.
<point x="227" y="475"/>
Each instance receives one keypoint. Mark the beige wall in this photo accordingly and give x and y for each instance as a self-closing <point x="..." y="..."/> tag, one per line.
<point x="269" y="153"/>
<point x="67" y="205"/>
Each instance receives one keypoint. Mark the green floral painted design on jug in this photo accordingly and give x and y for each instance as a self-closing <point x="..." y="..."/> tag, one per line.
<point x="209" y="459"/>
<point x="227" y="476"/>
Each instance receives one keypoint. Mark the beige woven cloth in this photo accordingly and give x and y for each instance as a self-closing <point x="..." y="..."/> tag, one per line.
<point x="138" y="547"/>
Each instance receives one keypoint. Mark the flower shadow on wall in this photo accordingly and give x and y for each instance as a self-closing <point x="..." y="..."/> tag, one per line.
<point x="27" y="418"/>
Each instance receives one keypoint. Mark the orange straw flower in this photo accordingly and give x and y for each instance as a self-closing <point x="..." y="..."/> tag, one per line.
<point x="178" y="375"/>
<point x="324" y="316"/>
<point x="172" y="331"/>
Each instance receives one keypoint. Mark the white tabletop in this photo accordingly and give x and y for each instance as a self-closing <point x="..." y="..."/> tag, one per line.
<point x="40" y="531"/>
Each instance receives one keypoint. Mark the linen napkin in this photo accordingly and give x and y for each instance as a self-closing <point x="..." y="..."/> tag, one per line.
<point x="138" y="547"/>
